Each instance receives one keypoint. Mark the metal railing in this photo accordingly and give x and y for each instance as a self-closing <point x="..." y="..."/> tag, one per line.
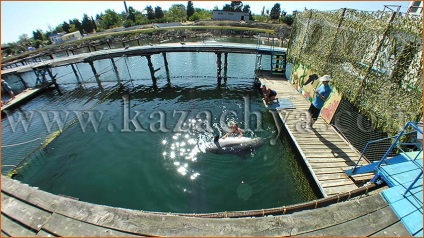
<point x="395" y="143"/>
<point x="392" y="146"/>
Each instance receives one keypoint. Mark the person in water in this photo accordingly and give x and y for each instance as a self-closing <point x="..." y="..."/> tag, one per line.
<point x="234" y="129"/>
<point x="269" y="94"/>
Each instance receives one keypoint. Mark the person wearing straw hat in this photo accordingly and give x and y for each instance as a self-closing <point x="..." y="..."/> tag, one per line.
<point x="321" y="94"/>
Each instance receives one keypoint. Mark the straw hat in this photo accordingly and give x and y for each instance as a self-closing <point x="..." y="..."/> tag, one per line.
<point x="324" y="78"/>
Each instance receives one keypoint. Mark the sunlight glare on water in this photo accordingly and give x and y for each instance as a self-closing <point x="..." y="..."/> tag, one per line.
<point x="170" y="170"/>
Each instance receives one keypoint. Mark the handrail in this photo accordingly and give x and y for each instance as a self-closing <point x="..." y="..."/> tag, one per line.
<point x="391" y="146"/>
<point x="397" y="140"/>
<point x="412" y="184"/>
<point x="365" y="148"/>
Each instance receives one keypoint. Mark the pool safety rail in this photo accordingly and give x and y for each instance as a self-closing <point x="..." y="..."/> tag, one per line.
<point x="409" y="138"/>
<point x="318" y="203"/>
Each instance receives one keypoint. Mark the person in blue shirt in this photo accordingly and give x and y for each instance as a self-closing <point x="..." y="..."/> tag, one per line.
<point x="321" y="94"/>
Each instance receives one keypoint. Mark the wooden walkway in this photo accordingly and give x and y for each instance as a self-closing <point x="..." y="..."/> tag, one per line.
<point x="23" y="97"/>
<point x="147" y="50"/>
<point x="27" y="211"/>
<point x="324" y="151"/>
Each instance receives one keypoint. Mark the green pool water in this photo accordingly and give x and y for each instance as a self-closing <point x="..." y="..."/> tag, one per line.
<point x="145" y="149"/>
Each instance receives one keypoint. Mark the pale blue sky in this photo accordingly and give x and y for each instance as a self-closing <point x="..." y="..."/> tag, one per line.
<point x="19" y="18"/>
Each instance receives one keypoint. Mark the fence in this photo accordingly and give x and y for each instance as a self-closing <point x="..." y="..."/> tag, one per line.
<point x="374" y="59"/>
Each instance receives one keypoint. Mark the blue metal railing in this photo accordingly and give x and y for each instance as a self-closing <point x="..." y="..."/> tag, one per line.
<point x="412" y="184"/>
<point x="392" y="146"/>
<point x="409" y="124"/>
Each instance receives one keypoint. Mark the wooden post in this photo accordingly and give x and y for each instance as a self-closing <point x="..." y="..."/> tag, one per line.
<point x="219" y="69"/>
<point x="152" y="70"/>
<point x="166" y="67"/>
<point x="166" y="62"/>
<point x="75" y="72"/>
<point x="116" y="70"/>
<point x="374" y="58"/>
<point x="334" y="40"/>
<point x="22" y="80"/>
<point x="306" y="34"/>
<point x="53" y="77"/>
<point x="96" y="74"/>
<point x="225" y="66"/>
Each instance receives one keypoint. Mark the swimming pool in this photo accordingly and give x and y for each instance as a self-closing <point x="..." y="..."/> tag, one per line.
<point x="142" y="148"/>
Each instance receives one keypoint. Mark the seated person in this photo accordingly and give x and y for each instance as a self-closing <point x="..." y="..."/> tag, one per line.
<point x="269" y="94"/>
<point x="234" y="129"/>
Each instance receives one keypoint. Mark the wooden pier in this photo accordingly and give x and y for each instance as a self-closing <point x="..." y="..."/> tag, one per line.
<point x="24" y="96"/>
<point x="324" y="151"/>
<point x="27" y="211"/>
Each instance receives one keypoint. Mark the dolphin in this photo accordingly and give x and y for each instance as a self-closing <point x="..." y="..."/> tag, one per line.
<point x="234" y="145"/>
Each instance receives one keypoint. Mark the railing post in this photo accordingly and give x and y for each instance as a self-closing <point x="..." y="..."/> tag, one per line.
<point x="412" y="184"/>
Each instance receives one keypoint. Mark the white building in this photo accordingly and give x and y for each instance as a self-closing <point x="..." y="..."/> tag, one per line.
<point x="56" y="38"/>
<point x="76" y="35"/>
<point x="230" y="16"/>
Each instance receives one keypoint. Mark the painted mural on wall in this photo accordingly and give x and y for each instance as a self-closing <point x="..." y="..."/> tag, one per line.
<point x="305" y="81"/>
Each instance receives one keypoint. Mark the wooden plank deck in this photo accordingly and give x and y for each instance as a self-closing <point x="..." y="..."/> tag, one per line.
<point x="28" y="211"/>
<point x="324" y="151"/>
<point x="24" y="96"/>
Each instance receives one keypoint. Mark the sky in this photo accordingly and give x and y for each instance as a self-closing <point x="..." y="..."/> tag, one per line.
<point x="24" y="17"/>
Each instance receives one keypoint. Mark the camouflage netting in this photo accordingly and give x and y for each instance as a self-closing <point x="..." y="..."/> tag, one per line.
<point x="374" y="59"/>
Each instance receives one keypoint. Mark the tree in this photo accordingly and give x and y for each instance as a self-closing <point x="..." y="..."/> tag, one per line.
<point x="246" y="8"/>
<point x="263" y="11"/>
<point x="78" y="25"/>
<point x="158" y="12"/>
<point x="275" y="11"/>
<point x="201" y="14"/>
<point x="150" y="12"/>
<point x="190" y="9"/>
<point x="94" y="24"/>
<point x="131" y="15"/>
<point x="37" y="35"/>
<point x="86" y="24"/>
<point x="177" y="12"/>
<point x="65" y="27"/>
<point x="110" y="19"/>
<point x="288" y="19"/>
<point x="236" y="6"/>
<point x="227" y="8"/>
